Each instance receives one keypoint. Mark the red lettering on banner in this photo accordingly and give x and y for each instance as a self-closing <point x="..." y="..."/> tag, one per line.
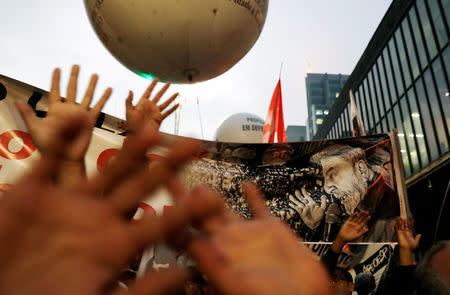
<point x="147" y="208"/>
<point x="105" y="157"/>
<point x="27" y="149"/>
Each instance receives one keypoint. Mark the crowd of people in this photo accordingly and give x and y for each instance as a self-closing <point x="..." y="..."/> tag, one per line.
<point x="62" y="233"/>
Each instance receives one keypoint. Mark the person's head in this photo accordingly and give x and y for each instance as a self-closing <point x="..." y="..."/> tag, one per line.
<point x="342" y="282"/>
<point x="364" y="283"/>
<point x="345" y="171"/>
<point x="433" y="271"/>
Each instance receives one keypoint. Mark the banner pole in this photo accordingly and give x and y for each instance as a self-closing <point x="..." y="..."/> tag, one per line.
<point x="399" y="174"/>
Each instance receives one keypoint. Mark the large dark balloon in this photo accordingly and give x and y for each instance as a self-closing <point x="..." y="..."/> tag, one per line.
<point x="181" y="41"/>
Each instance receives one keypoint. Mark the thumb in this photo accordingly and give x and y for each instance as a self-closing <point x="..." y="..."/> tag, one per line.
<point x="417" y="238"/>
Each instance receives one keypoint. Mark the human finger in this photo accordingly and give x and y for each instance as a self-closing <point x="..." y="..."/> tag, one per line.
<point x="129" y="194"/>
<point x="129" y="100"/>
<point x="169" y="111"/>
<point x="417" y="239"/>
<point x="97" y="109"/>
<point x="168" y="102"/>
<point x="296" y="201"/>
<point x="148" y="91"/>
<point x="176" y="188"/>
<point x="255" y="201"/>
<point x="73" y="82"/>
<point x="130" y="159"/>
<point x="27" y="114"/>
<point x="87" y="99"/>
<point x="207" y="260"/>
<point x="307" y="196"/>
<point x="161" y="92"/>
<point x="323" y="202"/>
<point x="54" y="96"/>
<point x="167" y="281"/>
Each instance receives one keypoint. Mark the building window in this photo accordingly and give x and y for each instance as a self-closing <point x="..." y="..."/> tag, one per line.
<point x="417" y="124"/>
<point x="319" y="112"/>
<point x="325" y="112"/>
<point x="426" y="27"/>
<point x="411" y="140"/>
<point x="442" y="88"/>
<point x="403" y="59"/>
<point x="390" y="77"/>
<point x="426" y="119"/>
<point x="418" y="38"/>
<point x="436" y="111"/>
<point x="395" y="63"/>
<point x="410" y="49"/>
<point x="369" y="107"/>
<point x="319" y="121"/>
<point x="373" y="98"/>
<point x="438" y="22"/>
<point x="402" y="139"/>
<point x="385" y="94"/>
<point x="378" y="92"/>
<point x="446" y="6"/>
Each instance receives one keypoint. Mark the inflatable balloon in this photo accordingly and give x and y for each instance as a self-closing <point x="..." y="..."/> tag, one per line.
<point x="184" y="41"/>
<point x="241" y="128"/>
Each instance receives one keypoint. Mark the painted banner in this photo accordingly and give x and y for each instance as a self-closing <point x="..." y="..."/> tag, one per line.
<point x="313" y="186"/>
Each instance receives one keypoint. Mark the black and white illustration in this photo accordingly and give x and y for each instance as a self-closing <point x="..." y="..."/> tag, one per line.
<point x="313" y="186"/>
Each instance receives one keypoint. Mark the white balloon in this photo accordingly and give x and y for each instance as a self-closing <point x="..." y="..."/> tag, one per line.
<point x="241" y="128"/>
<point x="182" y="41"/>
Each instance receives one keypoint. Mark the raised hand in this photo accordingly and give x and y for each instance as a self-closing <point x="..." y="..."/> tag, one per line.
<point x="353" y="228"/>
<point x="406" y="241"/>
<point x="262" y="256"/>
<point x="147" y="110"/>
<point x="63" y="241"/>
<point x="59" y="110"/>
<point x="310" y="212"/>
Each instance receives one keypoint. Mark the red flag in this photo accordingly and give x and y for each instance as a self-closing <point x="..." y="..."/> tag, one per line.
<point x="274" y="127"/>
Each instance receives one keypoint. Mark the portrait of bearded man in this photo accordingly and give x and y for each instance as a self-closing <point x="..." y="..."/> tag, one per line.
<point x="356" y="184"/>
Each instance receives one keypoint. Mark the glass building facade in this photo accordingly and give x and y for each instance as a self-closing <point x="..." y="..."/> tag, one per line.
<point x="407" y="87"/>
<point x="402" y="81"/>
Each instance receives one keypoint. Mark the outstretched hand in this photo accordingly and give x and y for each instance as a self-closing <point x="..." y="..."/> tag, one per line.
<point x="147" y="111"/>
<point x="353" y="228"/>
<point x="406" y="241"/>
<point x="261" y="256"/>
<point x="59" y="111"/>
<point x="310" y="212"/>
<point x="59" y="241"/>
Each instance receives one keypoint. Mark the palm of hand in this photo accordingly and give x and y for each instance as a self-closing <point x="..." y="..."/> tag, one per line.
<point x="406" y="239"/>
<point x="261" y="257"/>
<point x="147" y="110"/>
<point x="41" y="130"/>
<point x="351" y="231"/>
<point x="60" y="112"/>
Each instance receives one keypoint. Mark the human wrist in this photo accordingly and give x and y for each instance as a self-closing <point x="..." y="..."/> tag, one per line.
<point x="338" y="244"/>
<point x="405" y="256"/>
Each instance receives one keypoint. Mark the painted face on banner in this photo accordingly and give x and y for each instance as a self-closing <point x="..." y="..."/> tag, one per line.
<point x="345" y="180"/>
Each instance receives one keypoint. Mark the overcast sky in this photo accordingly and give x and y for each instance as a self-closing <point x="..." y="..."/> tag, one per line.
<point x="322" y="35"/>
